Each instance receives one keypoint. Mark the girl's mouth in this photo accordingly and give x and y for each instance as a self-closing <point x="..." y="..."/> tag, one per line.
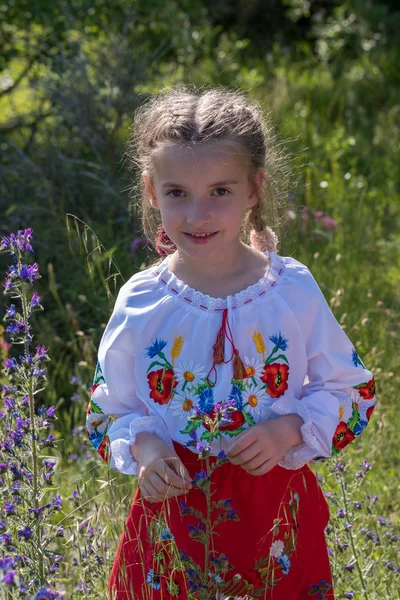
<point x="200" y="237"/>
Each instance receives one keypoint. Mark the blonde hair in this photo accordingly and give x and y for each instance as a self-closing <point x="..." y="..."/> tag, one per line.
<point x="186" y="115"/>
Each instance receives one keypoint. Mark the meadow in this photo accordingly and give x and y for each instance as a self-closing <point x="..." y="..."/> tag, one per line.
<point x="331" y="87"/>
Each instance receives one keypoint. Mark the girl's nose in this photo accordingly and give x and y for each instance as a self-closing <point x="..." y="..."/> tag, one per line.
<point x="198" y="214"/>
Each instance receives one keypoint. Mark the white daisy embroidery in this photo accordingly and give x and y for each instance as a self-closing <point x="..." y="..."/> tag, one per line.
<point x="346" y="408"/>
<point x="182" y="405"/>
<point x="98" y="421"/>
<point x="276" y="549"/>
<point x="254" y="368"/>
<point x="188" y="373"/>
<point x="256" y="399"/>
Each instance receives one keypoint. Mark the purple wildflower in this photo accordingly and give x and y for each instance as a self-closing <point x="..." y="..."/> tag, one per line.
<point x="35" y="300"/>
<point x="17" y="242"/>
<point x="10" y="363"/>
<point x="9" y="577"/>
<point x="25" y="533"/>
<point x="9" y="403"/>
<point x="41" y="352"/>
<point x="51" y="411"/>
<point x="16" y="327"/>
<point x="11" y="312"/>
<point x="9" y="508"/>
<point x="57" y="503"/>
<point x="49" y="464"/>
<point x="138" y="244"/>
<point x="5" y="539"/>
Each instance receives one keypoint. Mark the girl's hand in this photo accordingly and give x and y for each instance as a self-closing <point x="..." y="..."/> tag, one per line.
<point x="162" y="474"/>
<point x="258" y="449"/>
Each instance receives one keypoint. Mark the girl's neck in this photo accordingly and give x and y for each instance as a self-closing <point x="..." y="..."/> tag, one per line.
<point x="220" y="278"/>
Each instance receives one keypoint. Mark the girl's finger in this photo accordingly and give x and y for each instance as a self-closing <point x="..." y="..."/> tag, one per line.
<point x="148" y="491"/>
<point x="241" y="443"/>
<point x="265" y="467"/>
<point x="255" y="462"/>
<point x="170" y="476"/>
<point x="179" y="468"/>
<point x="246" y="455"/>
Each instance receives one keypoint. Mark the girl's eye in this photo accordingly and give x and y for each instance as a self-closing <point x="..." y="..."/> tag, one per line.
<point x="175" y="193"/>
<point x="223" y="190"/>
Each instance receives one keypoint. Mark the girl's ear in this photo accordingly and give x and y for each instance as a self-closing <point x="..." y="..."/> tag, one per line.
<point x="149" y="190"/>
<point x="256" y="187"/>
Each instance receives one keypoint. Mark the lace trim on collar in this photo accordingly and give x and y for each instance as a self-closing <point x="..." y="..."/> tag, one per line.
<point x="205" y="302"/>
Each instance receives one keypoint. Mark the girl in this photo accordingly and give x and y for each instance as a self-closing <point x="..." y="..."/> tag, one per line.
<point x="222" y="371"/>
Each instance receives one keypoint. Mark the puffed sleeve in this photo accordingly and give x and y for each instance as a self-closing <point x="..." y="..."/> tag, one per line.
<point x="338" y="396"/>
<point x="115" y="414"/>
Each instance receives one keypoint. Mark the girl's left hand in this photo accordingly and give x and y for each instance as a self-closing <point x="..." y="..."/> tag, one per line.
<point x="258" y="449"/>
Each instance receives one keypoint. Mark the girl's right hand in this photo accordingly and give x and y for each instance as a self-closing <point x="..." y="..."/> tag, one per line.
<point x="162" y="474"/>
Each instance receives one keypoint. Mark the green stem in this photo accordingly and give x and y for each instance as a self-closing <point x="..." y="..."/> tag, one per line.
<point x="34" y="446"/>
<point x="270" y="356"/>
<point x="346" y="506"/>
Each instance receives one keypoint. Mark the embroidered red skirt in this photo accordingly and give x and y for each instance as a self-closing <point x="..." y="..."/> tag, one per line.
<point x="268" y="539"/>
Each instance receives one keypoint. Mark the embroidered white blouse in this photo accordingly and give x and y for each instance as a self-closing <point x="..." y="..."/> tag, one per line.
<point x="156" y="359"/>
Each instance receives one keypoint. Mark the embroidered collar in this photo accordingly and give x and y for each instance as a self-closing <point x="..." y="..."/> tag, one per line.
<point x="205" y="302"/>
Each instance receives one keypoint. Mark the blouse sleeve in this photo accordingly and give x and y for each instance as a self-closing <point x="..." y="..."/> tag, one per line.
<point x="115" y="414"/>
<point x="338" y="399"/>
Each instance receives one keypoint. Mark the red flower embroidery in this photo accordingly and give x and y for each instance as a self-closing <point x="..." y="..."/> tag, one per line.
<point x="161" y="383"/>
<point x="367" y="391"/>
<point x="94" y="387"/>
<point x="236" y="420"/>
<point x="276" y="376"/>
<point x="103" y="449"/>
<point x="370" y="410"/>
<point x="343" y="436"/>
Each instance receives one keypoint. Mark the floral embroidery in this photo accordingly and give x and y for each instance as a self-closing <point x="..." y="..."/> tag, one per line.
<point x="97" y="422"/>
<point x="161" y="383"/>
<point x="356" y="412"/>
<point x="153" y="579"/>
<point x="188" y="391"/>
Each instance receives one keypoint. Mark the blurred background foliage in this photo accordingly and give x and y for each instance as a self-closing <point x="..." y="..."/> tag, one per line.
<point x="73" y="73"/>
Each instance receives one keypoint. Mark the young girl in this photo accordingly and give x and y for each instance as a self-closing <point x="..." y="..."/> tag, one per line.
<point x="222" y="371"/>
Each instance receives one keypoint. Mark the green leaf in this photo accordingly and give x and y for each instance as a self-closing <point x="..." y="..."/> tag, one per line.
<point x="95" y="408"/>
<point x="355" y="417"/>
<point x="235" y="432"/>
<point x="153" y="364"/>
<point x="248" y="418"/>
<point x="282" y="356"/>
<point x="190" y="426"/>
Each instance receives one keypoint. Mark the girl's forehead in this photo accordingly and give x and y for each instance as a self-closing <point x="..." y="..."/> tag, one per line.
<point x="208" y="158"/>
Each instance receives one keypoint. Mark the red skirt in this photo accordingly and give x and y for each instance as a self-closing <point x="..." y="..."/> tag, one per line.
<point x="268" y="539"/>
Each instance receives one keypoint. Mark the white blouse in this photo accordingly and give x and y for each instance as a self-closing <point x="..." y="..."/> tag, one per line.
<point x="159" y="362"/>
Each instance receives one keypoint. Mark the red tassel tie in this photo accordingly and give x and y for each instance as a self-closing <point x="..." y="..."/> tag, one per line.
<point x="239" y="369"/>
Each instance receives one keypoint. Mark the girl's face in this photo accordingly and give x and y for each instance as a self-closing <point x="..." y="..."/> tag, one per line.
<point x="202" y="193"/>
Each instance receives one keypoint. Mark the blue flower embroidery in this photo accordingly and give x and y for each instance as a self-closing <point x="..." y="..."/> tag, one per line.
<point x="280" y="341"/>
<point x="236" y="395"/>
<point x="206" y="400"/>
<point x="285" y="562"/>
<point x="96" y="437"/>
<point x="156" y="347"/>
<point x="153" y="579"/>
